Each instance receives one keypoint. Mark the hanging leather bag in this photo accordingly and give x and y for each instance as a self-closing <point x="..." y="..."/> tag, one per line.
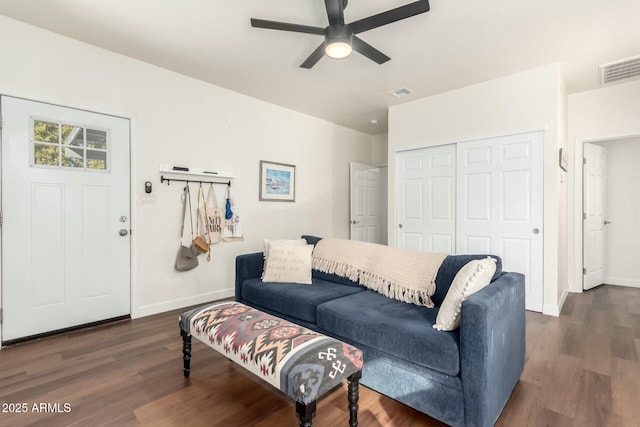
<point x="187" y="257"/>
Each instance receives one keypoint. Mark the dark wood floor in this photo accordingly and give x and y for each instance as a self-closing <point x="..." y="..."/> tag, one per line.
<point x="582" y="370"/>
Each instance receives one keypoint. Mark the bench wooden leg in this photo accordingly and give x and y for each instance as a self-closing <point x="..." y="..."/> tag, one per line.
<point x="186" y="352"/>
<point x="353" y="395"/>
<point x="306" y="413"/>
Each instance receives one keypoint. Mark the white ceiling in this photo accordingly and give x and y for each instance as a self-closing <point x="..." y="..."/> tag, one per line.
<point x="457" y="43"/>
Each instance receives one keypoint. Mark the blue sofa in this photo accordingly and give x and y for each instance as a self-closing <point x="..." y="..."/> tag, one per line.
<point x="462" y="378"/>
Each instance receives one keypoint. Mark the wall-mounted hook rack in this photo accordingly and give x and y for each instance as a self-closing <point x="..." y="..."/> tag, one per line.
<point x="195" y="181"/>
<point x="194" y="172"/>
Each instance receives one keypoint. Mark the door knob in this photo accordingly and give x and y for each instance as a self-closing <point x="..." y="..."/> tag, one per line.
<point x="123" y="232"/>
<point x="399" y="225"/>
<point x="606" y="222"/>
<point x="536" y="231"/>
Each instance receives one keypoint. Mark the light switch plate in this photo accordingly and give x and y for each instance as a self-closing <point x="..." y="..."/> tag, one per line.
<point x="149" y="199"/>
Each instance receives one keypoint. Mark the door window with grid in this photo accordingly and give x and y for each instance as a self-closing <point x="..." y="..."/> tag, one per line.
<point x="57" y="144"/>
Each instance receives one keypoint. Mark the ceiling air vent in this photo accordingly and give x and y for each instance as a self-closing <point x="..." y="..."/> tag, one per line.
<point x="624" y="69"/>
<point x="401" y="92"/>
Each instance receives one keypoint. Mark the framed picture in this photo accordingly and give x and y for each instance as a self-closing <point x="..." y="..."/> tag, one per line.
<point x="563" y="160"/>
<point x="277" y="182"/>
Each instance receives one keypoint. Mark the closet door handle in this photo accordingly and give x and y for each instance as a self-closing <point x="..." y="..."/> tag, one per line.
<point x="536" y="231"/>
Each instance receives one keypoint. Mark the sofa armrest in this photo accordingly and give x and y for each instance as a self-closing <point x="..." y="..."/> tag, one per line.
<point x="248" y="266"/>
<point x="492" y="347"/>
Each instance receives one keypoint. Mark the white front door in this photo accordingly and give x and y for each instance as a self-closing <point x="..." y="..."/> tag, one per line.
<point x="365" y="203"/>
<point x="66" y="207"/>
<point x="500" y="210"/>
<point x="594" y="199"/>
<point x="426" y="205"/>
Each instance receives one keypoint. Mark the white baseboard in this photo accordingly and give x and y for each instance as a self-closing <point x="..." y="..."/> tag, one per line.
<point x="148" y="310"/>
<point x="563" y="298"/>
<point x="554" y="310"/>
<point x="551" y="310"/>
<point x="623" y="281"/>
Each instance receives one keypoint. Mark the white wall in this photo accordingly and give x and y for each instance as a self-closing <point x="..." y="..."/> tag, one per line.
<point x="563" y="196"/>
<point x="523" y="102"/>
<point x="602" y="114"/>
<point x="180" y="120"/>
<point x="623" y="210"/>
<point x="380" y="158"/>
<point x="380" y="149"/>
<point x="348" y="146"/>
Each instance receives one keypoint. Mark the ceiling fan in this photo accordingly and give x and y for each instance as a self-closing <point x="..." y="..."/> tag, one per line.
<point x="340" y="38"/>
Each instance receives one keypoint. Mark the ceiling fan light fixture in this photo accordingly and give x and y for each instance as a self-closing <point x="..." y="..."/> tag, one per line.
<point x="339" y="37"/>
<point x="338" y="49"/>
<point x="338" y="41"/>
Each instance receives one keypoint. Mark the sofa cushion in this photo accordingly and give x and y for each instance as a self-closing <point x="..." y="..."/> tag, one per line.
<point x="475" y="275"/>
<point x="450" y="267"/>
<point x="267" y="246"/>
<point x="288" y="262"/>
<point x="396" y="328"/>
<point x="292" y="299"/>
<point x="334" y="278"/>
<point x="313" y="240"/>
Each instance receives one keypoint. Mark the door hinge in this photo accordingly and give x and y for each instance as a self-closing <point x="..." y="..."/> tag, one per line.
<point x="584" y="271"/>
<point x="584" y="160"/>
<point x="1" y="315"/>
<point x="1" y="219"/>
<point x="584" y="215"/>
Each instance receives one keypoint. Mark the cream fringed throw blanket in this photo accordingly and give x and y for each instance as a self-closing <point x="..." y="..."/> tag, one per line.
<point x="404" y="275"/>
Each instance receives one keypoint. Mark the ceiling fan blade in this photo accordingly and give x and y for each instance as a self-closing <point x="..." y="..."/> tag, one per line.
<point x="284" y="26"/>
<point x="390" y="16"/>
<point x="369" y="51"/>
<point x="335" y="11"/>
<point x="314" y="57"/>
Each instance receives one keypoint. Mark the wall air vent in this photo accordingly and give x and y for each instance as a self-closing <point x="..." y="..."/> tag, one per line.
<point x="401" y="92"/>
<point x="624" y="69"/>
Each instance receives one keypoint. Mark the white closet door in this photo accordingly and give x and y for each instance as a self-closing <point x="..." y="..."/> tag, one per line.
<point x="426" y="204"/>
<point x="500" y="211"/>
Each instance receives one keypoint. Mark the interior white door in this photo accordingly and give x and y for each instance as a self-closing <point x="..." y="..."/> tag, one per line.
<point x="500" y="210"/>
<point x="66" y="207"/>
<point x="365" y="223"/>
<point x="594" y="202"/>
<point x="426" y="204"/>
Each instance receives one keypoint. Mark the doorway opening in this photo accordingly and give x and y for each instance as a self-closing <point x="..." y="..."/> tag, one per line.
<point x="610" y="216"/>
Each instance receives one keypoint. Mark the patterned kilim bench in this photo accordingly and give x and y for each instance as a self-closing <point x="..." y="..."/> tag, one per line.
<point x="301" y="363"/>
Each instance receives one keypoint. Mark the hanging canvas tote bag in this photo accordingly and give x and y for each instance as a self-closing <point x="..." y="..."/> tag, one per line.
<point x="187" y="257"/>
<point x="232" y="230"/>
<point x="214" y="216"/>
